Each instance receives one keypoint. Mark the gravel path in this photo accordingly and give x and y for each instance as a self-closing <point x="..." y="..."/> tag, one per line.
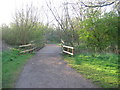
<point x="48" y="70"/>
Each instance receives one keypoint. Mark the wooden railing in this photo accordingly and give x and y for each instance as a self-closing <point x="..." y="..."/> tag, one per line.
<point x="31" y="48"/>
<point x="67" y="49"/>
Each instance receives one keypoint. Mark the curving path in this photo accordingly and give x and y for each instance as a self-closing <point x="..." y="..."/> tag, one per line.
<point x="48" y="70"/>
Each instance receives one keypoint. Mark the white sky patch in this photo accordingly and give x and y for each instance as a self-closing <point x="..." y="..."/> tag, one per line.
<point x="8" y="7"/>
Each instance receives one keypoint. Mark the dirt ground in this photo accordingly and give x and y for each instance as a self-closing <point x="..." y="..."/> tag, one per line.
<point x="48" y="70"/>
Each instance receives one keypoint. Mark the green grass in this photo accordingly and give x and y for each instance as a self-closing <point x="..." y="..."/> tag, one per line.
<point x="102" y="69"/>
<point x="12" y="64"/>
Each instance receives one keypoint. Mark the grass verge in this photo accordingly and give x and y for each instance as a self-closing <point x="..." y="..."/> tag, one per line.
<point x="12" y="64"/>
<point x="102" y="69"/>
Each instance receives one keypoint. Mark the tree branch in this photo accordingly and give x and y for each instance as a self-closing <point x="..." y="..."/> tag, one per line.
<point x="98" y="5"/>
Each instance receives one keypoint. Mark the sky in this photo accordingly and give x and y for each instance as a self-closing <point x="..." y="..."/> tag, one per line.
<point x="8" y="8"/>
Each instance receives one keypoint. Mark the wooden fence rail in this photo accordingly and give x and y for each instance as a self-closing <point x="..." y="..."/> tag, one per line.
<point x="28" y="45"/>
<point x="28" y="50"/>
<point x="70" y="50"/>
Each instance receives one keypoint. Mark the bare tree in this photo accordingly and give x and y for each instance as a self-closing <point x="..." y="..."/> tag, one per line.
<point x="99" y="4"/>
<point x="65" y="23"/>
<point x="26" y="20"/>
<point x="70" y="22"/>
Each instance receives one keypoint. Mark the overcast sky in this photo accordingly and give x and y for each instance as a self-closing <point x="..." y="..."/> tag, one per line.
<point x="8" y="7"/>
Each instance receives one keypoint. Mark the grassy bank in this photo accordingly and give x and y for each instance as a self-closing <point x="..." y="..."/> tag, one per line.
<point x="12" y="64"/>
<point x="102" y="69"/>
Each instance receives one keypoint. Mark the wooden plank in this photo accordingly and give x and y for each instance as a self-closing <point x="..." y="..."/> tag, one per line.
<point x="25" y="45"/>
<point x="68" y="52"/>
<point x="68" y="47"/>
<point x="27" y="50"/>
<point x="62" y="41"/>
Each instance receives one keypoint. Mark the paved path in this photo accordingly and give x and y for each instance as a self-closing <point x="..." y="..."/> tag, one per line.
<point x="48" y="70"/>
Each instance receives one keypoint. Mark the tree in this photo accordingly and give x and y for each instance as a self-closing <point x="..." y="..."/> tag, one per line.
<point x="100" y="33"/>
<point x="25" y="28"/>
<point x="26" y="20"/>
<point x="65" y="24"/>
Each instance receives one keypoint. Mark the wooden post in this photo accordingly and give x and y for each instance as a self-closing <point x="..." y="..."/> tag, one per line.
<point x="73" y="51"/>
<point x="68" y="49"/>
